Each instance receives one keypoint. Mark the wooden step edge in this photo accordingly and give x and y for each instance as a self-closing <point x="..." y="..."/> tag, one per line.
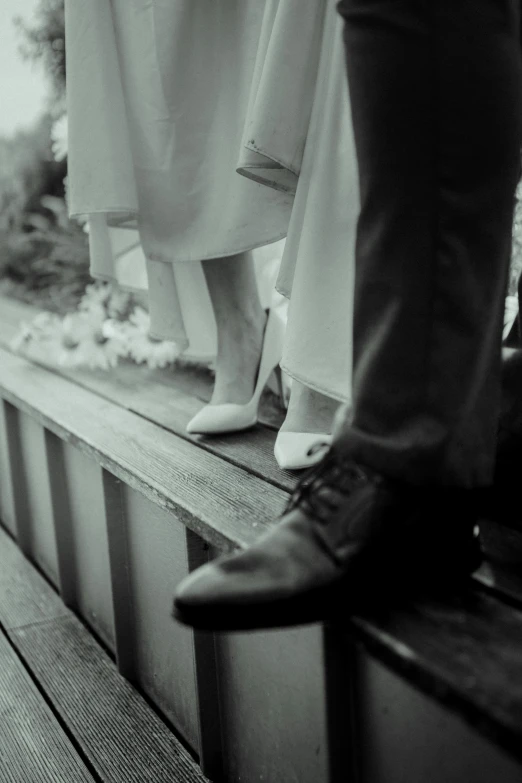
<point x="14" y="313"/>
<point x="56" y="402"/>
<point x="58" y="649"/>
<point x="241" y="450"/>
<point x="227" y="506"/>
<point x="443" y="659"/>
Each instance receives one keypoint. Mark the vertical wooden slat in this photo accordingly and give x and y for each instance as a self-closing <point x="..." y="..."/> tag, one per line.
<point x="119" y="572"/>
<point x="88" y="538"/>
<point x="40" y="522"/>
<point x="339" y="665"/>
<point x="66" y="553"/>
<point x="209" y="718"/>
<point x="163" y="649"/>
<point x="16" y="476"/>
<point x="7" y="511"/>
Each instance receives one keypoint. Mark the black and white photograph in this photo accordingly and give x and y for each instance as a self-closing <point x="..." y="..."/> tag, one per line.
<point x="260" y="391"/>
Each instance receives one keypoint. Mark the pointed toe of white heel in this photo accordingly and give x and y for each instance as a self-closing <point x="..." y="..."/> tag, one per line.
<point x="292" y="450"/>
<point x="231" y="417"/>
<point x="220" y="419"/>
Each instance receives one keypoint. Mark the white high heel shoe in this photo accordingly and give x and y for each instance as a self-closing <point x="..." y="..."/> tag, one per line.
<point x="232" y="417"/>
<point x="295" y="450"/>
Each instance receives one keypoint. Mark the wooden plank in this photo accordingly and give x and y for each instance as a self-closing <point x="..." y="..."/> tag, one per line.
<point x="464" y="650"/>
<point x="273" y="706"/>
<point x="120" y="735"/>
<point x="170" y="398"/>
<point x="123" y="739"/>
<point x="33" y="746"/>
<point x="225" y="505"/>
<point x="190" y="379"/>
<point x="16" y="478"/>
<point x="400" y="735"/>
<point x="7" y="510"/>
<point x="207" y="679"/>
<point x="33" y="473"/>
<point x="158" y="399"/>
<point x="124" y="632"/>
<point x="163" y="650"/>
<point x="341" y="726"/>
<point x="61" y="510"/>
<point x="88" y="535"/>
<point x="25" y="596"/>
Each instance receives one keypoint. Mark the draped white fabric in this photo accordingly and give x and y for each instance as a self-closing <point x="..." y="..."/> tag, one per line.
<point x="169" y="103"/>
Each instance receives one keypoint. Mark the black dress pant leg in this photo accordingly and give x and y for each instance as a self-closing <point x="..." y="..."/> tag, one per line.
<point x="436" y="93"/>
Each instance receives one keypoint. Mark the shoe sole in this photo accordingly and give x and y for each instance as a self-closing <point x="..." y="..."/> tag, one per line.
<point x="332" y="604"/>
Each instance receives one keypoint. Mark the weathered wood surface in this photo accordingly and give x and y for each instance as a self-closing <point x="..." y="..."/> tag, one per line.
<point x="467" y="653"/>
<point x="7" y="508"/>
<point x="170" y="398"/>
<point x="25" y="596"/>
<point x="464" y="650"/>
<point x="31" y="485"/>
<point x="224" y="504"/>
<point x="156" y="561"/>
<point x="33" y="746"/>
<point x="400" y="735"/>
<point x="122" y="738"/>
<point x="120" y="735"/>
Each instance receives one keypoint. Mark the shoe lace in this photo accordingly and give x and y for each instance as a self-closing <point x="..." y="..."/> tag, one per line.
<point x="322" y="488"/>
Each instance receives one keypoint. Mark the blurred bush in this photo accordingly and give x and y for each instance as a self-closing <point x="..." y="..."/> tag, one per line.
<point x="44" y="41"/>
<point x="43" y="255"/>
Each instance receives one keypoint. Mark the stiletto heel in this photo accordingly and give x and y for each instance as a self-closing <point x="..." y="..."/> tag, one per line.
<point x="280" y="386"/>
<point x="231" y="417"/>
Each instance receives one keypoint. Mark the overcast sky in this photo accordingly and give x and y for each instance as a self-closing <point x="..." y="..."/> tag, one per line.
<point x="23" y="87"/>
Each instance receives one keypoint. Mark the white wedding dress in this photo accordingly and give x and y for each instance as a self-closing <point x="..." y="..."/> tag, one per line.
<point x="201" y="129"/>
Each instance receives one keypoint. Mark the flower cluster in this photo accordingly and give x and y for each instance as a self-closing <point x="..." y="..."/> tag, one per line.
<point x="107" y="327"/>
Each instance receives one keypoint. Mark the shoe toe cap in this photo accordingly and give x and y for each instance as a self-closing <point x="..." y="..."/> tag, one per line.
<point x="217" y="419"/>
<point x="291" y="449"/>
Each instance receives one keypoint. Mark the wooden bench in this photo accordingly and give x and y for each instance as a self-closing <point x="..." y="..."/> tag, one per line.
<point x="103" y="490"/>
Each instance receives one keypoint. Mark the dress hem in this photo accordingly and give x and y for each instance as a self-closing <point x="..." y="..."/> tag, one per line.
<point x="219" y="254"/>
<point x="314" y="386"/>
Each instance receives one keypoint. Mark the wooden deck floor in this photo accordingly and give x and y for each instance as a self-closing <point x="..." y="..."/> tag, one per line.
<point x="67" y="716"/>
<point x="71" y="716"/>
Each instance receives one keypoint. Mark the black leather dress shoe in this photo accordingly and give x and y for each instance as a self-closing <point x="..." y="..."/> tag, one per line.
<point x="348" y="537"/>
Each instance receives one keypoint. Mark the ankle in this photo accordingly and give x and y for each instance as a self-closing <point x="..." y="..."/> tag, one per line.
<point x="309" y="411"/>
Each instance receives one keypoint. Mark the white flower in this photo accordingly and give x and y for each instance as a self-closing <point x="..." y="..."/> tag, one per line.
<point x="102" y="331"/>
<point x="60" y="138"/>
<point x="119" y="333"/>
<point x="144" y="349"/>
<point x="119" y="305"/>
<point x="40" y="340"/>
<point x="94" y="352"/>
<point x="96" y="295"/>
<point x="140" y="319"/>
<point x="84" y="342"/>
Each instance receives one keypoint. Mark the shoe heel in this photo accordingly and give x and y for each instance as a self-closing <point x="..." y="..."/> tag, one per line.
<point x="219" y="419"/>
<point x="278" y="373"/>
<point x="271" y="354"/>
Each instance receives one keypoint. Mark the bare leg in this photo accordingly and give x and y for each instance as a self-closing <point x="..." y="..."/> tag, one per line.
<point x="240" y="324"/>
<point x="309" y="411"/>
